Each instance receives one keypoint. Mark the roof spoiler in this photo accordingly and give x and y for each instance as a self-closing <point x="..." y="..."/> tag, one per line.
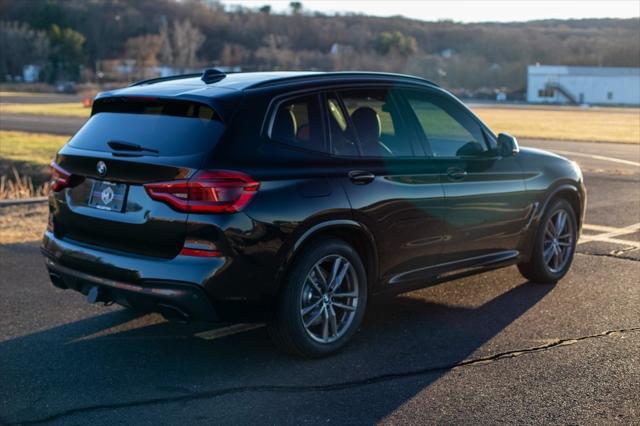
<point x="210" y="75"/>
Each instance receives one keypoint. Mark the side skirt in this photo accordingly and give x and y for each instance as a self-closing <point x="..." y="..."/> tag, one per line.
<point x="436" y="274"/>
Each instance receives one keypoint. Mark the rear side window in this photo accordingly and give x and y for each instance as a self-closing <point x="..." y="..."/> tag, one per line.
<point x="376" y="121"/>
<point x="297" y="122"/>
<point x="158" y="127"/>
<point x="450" y="131"/>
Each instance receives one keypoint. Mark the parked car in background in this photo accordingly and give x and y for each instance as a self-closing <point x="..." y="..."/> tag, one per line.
<point x="293" y="198"/>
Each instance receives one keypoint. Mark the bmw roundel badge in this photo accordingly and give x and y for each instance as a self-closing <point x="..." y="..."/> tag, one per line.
<point x="101" y="168"/>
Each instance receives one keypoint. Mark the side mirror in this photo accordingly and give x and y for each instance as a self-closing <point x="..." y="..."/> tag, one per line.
<point x="507" y="145"/>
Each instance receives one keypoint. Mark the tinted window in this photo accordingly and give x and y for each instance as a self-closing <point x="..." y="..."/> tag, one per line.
<point x="343" y="141"/>
<point x="375" y="120"/>
<point x="155" y="106"/>
<point x="168" y="135"/>
<point x="298" y="122"/>
<point x="450" y="131"/>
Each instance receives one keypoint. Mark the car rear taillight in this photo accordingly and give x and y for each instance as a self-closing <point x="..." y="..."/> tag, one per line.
<point x="61" y="179"/>
<point x="206" y="192"/>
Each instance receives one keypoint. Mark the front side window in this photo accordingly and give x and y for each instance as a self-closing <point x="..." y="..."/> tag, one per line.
<point x="449" y="130"/>
<point x="372" y="118"/>
<point x="297" y="122"/>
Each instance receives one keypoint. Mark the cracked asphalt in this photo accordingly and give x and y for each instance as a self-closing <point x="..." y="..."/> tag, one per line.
<point x="486" y="349"/>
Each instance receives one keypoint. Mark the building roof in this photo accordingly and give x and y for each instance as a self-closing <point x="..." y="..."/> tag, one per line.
<point x="583" y="71"/>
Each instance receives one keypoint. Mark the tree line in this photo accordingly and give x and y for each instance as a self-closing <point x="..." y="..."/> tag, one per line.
<point x="68" y="38"/>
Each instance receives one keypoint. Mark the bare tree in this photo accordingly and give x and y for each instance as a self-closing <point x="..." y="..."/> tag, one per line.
<point x="144" y="50"/>
<point x="165" y="55"/>
<point x="180" y="46"/>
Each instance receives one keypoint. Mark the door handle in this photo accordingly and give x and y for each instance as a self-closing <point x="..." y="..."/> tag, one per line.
<point x="361" y="177"/>
<point x="456" y="173"/>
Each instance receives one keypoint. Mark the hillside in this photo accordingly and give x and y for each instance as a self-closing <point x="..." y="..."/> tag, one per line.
<point x="469" y="56"/>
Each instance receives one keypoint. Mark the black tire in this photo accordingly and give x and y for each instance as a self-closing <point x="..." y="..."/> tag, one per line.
<point x="536" y="269"/>
<point x="287" y="329"/>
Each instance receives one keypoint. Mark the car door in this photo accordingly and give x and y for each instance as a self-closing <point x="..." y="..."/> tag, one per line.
<point x="487" y="210"/>
<point x="392" y="190"/>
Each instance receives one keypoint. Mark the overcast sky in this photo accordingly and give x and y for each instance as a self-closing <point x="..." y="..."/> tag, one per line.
<point x="465" y="10"/>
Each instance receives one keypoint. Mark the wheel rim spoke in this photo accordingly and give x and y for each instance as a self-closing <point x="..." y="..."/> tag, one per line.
<point x="560" y="222"/>
<point x="318" y="272"/>
<point x="325" y="325"/>
<point x="343" y="295"/>
<point x="334" y="321"/>
<point x="314" y="284"/>
<point x="340" y="277"/>
<point x="343" y="306"/>
<point x="334" y="271"/>
<point x="314" y="318"/>
<point x="311" y="307"/>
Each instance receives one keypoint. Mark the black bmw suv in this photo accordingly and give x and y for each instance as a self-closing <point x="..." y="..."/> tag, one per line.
<point x="293" y="198"/>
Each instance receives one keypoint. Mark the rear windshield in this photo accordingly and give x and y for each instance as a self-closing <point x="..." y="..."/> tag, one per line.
<point x="152" y="127"/>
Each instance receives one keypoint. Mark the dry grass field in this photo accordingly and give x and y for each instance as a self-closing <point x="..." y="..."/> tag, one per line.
<point x="24" y="160"/>
<point x="66" y="109"/>
<point x="597" y="124"/>
<point x="36" y="148"/>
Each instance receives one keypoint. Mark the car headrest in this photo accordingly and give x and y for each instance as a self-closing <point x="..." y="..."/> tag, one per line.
<point x="367" y="124"/>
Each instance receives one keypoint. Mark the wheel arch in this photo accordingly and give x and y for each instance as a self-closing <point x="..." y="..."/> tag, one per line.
<point x="352" y="232"/>
<point x="573" y="195"/>
<point x="568" y="191"/>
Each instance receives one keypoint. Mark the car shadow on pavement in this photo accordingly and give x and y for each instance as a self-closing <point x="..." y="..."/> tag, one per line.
<point x="119" y="360"/>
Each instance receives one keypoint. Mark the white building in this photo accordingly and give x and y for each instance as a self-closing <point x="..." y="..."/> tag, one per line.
<point x="583" y="85"/>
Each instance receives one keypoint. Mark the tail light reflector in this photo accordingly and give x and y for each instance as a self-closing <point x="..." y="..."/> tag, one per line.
<point x="200" y="248"/>
<point x="206" y="192"/>
<point x="61" y="179"/>
<point x="199" y="252"/>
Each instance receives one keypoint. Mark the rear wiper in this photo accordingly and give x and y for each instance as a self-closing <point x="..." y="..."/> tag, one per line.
<point x="128" y="146"/>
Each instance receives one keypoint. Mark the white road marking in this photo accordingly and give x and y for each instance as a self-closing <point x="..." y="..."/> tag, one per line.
<point x="601" y="228"/>
<point x="607" y="237"/>
<point x="227" y="331"/>
<point x="596" y="157"/>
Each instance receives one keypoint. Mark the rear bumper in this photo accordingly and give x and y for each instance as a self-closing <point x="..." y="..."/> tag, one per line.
<point x="171" y="287"/>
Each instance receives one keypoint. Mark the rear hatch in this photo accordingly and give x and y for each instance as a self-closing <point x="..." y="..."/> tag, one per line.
<point x="129" y="142"/>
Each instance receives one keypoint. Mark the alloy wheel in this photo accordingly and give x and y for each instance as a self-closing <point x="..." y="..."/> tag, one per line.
<point x="558" y="241"/>
<point x="329" y="299"/>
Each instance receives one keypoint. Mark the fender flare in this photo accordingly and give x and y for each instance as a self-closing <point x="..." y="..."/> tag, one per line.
<point x="542" y="207"/>
<point x="551" y="195"/>
<point x="327" y="225"/>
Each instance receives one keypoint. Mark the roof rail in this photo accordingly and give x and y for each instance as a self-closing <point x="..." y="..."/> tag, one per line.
<point x="160" y="79"/>
<point x="339" y="74"/>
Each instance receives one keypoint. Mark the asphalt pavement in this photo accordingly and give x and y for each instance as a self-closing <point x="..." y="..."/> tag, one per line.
<point x="492" y="348"/>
